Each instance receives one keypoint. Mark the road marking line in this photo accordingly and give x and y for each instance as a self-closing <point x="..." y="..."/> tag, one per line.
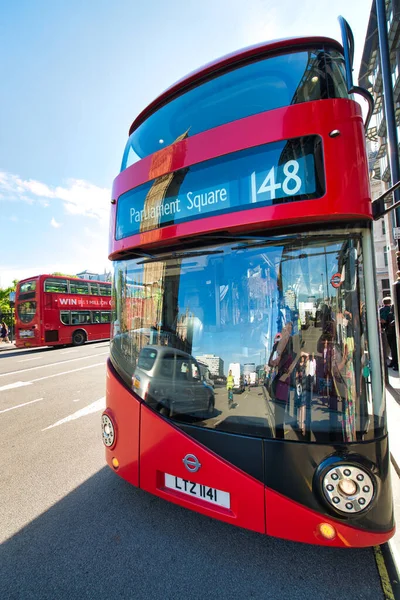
<point x="91" y="408"/>
<point x="61" y="362"/>
<point x="20" y="405"/>
<point x="27" y="359"/>
<point x="383" y="574"/>
<point x="11" y="386"/>
<point x="66" y="372"/>
<point x="22" y="383"/>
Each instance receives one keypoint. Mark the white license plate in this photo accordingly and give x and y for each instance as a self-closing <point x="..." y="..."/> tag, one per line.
<point x="26" y="334"/>
<point x="208" y="494"/>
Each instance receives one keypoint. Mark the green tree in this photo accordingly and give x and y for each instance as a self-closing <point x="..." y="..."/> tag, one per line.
<point x="5" y="297"/>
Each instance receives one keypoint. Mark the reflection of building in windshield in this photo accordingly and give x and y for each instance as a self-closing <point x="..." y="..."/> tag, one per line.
<point x="165" y="186"/>
<point x="289" y="311"/>
<point x="214" y="363"/>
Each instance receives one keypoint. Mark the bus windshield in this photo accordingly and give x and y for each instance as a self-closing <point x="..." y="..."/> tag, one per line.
<point x="259" y="86"/>
<point x="26" y="311"/>
<point x="283" y="314"/>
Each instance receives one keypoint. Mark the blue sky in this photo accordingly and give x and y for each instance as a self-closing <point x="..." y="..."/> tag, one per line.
<point x="74" y="76"/>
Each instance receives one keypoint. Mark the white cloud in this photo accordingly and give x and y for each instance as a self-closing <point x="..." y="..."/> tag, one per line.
<point x="54" y="223"/>
<point x="37" y="189"/>
<point x="84" y="198"/>
<point x="79" y="197"/>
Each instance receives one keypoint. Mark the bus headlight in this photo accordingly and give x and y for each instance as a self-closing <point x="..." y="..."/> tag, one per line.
<point x="349" y="488"/>
<point x="108" y="430"/>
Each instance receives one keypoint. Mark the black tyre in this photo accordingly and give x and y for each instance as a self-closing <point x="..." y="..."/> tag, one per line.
<point x="78" y="337"/>
<point x="211" y="406"/>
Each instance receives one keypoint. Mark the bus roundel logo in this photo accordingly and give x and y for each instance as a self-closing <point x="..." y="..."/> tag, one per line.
<point x="191" y="462"/>
<point x="336" y="280"/>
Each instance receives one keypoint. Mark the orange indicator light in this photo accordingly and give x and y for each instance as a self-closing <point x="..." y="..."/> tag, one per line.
<point x="327" y="531"/>
<point x="115" y="463"/>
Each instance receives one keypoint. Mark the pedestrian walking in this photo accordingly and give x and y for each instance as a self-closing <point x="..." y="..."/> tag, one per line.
<point x="383" y="317"/>
<point x="391" y="338"/>
<point x="4" y="332"/>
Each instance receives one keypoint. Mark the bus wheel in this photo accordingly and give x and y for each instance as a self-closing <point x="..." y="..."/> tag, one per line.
<point x="78" y="337"/>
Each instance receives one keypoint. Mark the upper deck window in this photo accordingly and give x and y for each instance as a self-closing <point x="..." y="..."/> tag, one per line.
<point x="27" y="286"/>
<point x="256" y="87"/>
<point x="79" y="287"/>
<point x="59" y="286"/>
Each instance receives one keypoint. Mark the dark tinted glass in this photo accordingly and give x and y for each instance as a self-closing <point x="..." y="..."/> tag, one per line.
<point x="79" y="287"/>
<point x="59" y="286"/>
<point x="280" y="322"/>
<point x="26" y="311"/>
<point x="147" y="358"/>
<point x="27" y="286"/>
<point x="247" y="90"/>
<point x="81" y="317"/>
<point x="65" y="317"/>
<point x="94" y="289"/>
<point x="105" y="290"/>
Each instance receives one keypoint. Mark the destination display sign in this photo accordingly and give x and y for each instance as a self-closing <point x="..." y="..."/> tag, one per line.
<point x="285" y="171"/>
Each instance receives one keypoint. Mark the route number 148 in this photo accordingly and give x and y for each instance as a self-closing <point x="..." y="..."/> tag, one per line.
<point x="290" y="185"/>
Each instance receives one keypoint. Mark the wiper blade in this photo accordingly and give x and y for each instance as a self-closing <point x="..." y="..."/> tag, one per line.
<point x="257" y="242"/>
<point x="179" y="255"/>
<point x="142" y="254"/>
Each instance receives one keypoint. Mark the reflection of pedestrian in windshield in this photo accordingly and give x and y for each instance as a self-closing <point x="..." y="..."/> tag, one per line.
<point x="326" y="317"/>
<point x="229" y="386"/>
<point x="300" y="392"/>
<point x="391" y="337"/>
<point x="284" y="363"/>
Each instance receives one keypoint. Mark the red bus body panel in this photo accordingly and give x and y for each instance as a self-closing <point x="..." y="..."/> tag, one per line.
<point x="121" y="403"/>
<point x="162" y="448"/>
<point x="290" y="520"/>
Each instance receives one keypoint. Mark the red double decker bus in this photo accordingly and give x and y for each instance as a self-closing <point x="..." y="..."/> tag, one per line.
<point x="54" y="311"/>
<point x="243" y="211"/>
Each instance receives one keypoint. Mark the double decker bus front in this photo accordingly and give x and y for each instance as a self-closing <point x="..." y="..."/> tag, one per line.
<point x="249" y="249"/>
<point x="27" y="301"/>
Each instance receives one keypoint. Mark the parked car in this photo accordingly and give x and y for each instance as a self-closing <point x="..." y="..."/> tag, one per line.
<point x="170" y="381"/>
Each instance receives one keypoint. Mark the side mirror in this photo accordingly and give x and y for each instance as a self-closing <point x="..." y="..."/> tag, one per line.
<point x="348" y="51"/>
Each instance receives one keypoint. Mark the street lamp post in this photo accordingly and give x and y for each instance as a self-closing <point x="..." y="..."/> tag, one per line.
<point x="392" y="142"/>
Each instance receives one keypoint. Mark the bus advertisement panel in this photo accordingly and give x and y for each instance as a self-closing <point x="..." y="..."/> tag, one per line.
<point x="246" y="218"/>
<point x="54" y="311"/>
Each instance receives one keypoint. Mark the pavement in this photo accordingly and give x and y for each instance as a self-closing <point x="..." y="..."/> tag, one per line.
<point x="5" y="346"/>
<point x="393" y="416"/>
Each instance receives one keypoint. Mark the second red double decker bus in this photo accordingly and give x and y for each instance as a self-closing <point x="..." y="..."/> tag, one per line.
<point x="53" y="311"/>
<point x="242" y="212"/>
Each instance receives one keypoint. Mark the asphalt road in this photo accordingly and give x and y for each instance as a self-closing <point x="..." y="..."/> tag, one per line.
<point x="71" y="528"/>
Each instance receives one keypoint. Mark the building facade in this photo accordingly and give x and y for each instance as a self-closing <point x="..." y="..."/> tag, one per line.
<point x="370" y="78"/>
<point x="215" y="364"/>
